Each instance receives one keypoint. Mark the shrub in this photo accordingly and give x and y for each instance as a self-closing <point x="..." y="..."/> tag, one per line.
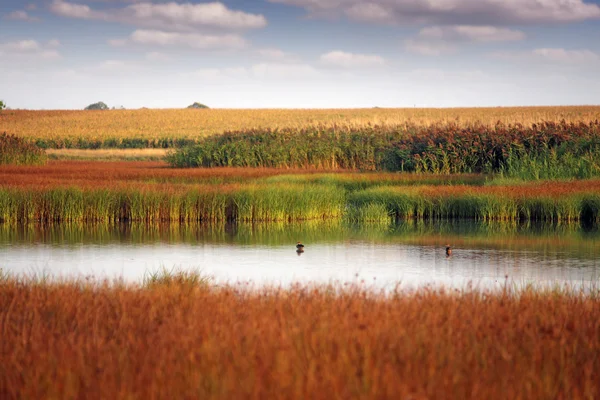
<point x="15" y="150"/>
<point x="197" y="105"/>
<point x="97" y="106"/>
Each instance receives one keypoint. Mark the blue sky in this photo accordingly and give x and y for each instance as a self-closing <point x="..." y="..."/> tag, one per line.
<point x="58" y="54"/>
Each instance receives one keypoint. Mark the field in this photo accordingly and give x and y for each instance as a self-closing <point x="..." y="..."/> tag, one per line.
<point x="172" y="128"/>
<point x="152" y="192"/>
<point x="179" y="337"/>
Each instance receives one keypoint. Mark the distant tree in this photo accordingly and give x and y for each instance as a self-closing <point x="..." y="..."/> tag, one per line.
<point x="198" y="105"/>
<point x="2" y="105"/>
<point x="97" y="106"/>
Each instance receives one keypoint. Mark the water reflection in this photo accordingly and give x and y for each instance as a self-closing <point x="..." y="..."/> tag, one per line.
<point x="412" y="253"/>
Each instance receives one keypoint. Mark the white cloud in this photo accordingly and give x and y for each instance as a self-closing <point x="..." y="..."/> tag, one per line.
<point x="192" y="40"/>
<point x="551" y="56"/>
<point x="283" y="71"/>
<point x="167" y="16"/>
<point x="567" y="56"/>
<point x="21" y="16"/>
<point x="220" y="74"/>
<point x="259" y="71"/>
<point x="157" y="57"/>
<point x="74" y="10"/>
<point x="274" y="54"/>
<point x="428" y="48"/>
<point x="27" y="49"/>
<point x="343" y="59"/>
<point x="471" y="33"/>
<point x="437" y="40"/>
<point x="452" y="11"/>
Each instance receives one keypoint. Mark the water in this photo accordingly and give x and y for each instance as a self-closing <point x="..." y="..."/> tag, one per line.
<point x="381" y="256"/>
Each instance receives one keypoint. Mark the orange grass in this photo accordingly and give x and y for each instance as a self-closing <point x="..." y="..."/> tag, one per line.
<point x="82" y="340"/>
<point x="94" y="174"/>
<point x="156" y="125"/>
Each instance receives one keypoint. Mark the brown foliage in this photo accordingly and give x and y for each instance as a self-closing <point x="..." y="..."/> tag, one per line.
<point x="78" y="340"/>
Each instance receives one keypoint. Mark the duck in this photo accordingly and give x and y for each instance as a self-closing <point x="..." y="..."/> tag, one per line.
<point x="300" y="246"/>
<point x="448" y="250"/>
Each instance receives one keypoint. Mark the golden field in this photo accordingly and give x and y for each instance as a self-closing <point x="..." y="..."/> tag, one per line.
<point x="186" y="339"/>
<point x="193" y="124"/>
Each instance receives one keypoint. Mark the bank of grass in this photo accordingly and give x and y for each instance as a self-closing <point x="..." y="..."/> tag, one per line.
<point x="542" y="151"/>
<point x="259" y="201"/>
<point x="174" y="338"/>
<point x="17" y="151"/>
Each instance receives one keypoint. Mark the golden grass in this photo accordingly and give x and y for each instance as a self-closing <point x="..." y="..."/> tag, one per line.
<point x="189" y="124"/>
<point x="82" y="340"/>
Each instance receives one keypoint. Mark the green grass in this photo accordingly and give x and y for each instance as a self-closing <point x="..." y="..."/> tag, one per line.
<point x="287" y="202"/>
<point x="176" y="277"/>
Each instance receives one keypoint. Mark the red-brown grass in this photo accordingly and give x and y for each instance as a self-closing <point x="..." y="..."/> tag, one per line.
<point x="79" y="340"/>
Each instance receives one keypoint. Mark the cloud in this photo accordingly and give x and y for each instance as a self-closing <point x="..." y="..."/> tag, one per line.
<point x="452" y="12"/>
<point x="259" y="71"/>
<point x="283" y="71"/>
<point x="167" y="16"/>
<point x="191" y="40"/>
<point x="551" y="56"/>
<point x="157" y="57"/>
<point x="436" y="40"/>
<point x="567" y="56"/>
<point x="21" y="16"/>
<point x="27" y="49"/>
<point x="351" y="60"/>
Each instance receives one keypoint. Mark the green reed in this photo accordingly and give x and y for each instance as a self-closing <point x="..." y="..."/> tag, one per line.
<point x="542" y="151"/>
<point x="285" y="201"/>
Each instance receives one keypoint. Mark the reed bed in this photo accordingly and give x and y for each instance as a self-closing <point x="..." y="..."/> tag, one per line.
<point x="175" y="128"/>
<point x="542" y="151"/>
<point x="17" y="151"/>
<point x="184" y="338"/>
<point x="288" y="202"/>
<point x="149" y="192"/>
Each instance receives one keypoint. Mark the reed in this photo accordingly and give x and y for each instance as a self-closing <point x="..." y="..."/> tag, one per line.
<point x="293" y="202"/>
<point x="182" y="340"/>
<point x="542" y="151"/>
<point x="17" y="151"/>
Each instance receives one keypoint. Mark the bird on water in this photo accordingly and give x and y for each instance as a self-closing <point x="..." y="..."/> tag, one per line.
<point x="448" y="250"/>
<point x="299" y="248"/>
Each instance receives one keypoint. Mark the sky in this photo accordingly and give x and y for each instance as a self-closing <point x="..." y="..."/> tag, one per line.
<point x="59" y="54"/>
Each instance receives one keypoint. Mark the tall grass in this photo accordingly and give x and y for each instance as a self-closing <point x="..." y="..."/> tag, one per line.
<point x="247" y="203"/>
<point x="541" y="151"/>
<point x="176" y="128"/>
<point x="15" y="150"/>
<point x="293" y="202"/>
<point x="67" y="340"/>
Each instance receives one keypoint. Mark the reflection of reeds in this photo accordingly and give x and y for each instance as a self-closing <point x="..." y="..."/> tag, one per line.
<point x="175" y="339"/>
<point x="558" y="237"/>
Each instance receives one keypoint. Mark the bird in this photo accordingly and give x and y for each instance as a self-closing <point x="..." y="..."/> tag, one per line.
<point x="448" y="250"/>
<point x="300" y="246"/>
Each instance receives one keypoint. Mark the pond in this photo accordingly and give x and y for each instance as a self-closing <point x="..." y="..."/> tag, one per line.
<point x="412" y="254"/>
